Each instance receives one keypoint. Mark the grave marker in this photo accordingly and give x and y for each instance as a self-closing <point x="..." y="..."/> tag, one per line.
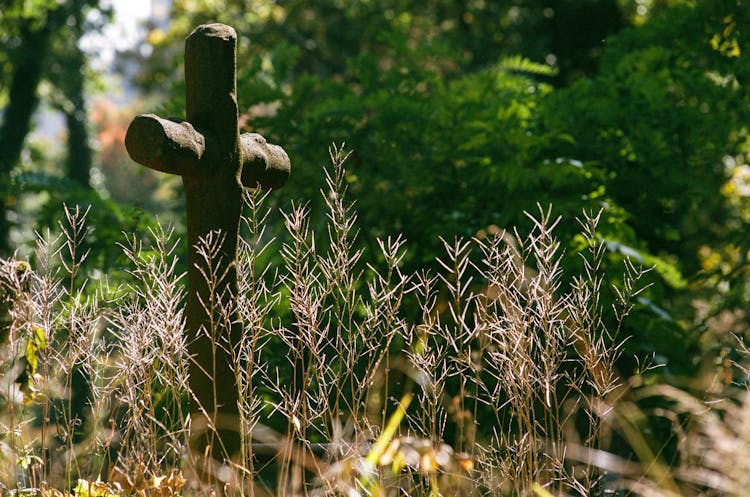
<point x="215" y="163"/>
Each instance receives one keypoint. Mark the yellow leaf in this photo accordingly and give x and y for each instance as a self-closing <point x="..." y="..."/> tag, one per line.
<point x="31" y="360"/>
<point x="390" y="452"/>
<point x="715" y="41"/>
<point x="384" y="440"/>
<point x="541" y="491"/>
<point x="734" y="49"/>
<point x="728" y="30"/>
<point x="39" y="337"/>
<point x="390" y="429"/>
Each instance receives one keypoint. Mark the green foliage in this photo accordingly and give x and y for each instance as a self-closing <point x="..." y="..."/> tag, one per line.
<point x="647" y="139"/>
<point x="107" y="220"/>
<point x="419" y="140"/>
<point x="659" y="126"/>
<point x="451" y="139"/>
<point x="664" y="123"/>
<point x="466" y="35"/>
<point x="44" y="46"/>
<point x="14" y="15"/>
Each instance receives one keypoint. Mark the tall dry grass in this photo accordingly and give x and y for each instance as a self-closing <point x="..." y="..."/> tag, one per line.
<point x="493" y="375"/>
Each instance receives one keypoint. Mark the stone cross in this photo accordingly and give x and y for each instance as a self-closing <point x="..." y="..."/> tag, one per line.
<point x="215" y="162"/>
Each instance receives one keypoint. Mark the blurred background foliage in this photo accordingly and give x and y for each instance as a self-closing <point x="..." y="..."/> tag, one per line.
<point x="462" y="115"/>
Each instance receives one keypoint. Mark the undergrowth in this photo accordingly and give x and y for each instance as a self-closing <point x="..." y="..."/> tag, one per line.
<point x="494" y="375"/>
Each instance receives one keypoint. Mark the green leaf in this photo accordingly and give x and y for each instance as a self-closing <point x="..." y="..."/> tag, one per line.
<point x="518" y="63"/>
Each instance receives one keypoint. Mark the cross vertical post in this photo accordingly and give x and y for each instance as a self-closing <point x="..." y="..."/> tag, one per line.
<point x="215" y="163"/>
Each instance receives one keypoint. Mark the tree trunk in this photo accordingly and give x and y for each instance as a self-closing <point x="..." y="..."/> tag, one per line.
<point x="79" y="159"/>
<point x="23" y="100"/>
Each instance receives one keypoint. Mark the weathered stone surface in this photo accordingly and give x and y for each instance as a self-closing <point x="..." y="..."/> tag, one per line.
<point x="262" y="163"/>
<point x="166" y="146"/>
<point x="215" y="163"/>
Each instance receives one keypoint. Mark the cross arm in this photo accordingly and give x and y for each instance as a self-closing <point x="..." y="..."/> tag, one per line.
<point x="263" y="164"/>
<point x="165" y="145"/>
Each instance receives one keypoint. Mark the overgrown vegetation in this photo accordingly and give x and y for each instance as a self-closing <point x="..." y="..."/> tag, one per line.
<point x="594" y="347"/>
<point x="504" y="381"/>
<point x="445" y="146"/>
